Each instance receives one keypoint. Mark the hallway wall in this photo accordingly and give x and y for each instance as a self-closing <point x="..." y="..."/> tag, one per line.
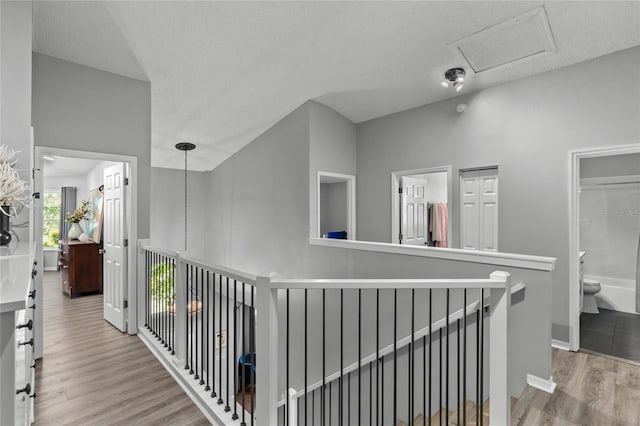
<point x="81" y="108"/>
<point x="526" y="127"/>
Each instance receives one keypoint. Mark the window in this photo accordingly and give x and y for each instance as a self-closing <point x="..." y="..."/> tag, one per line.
<point x="51" y="219"/>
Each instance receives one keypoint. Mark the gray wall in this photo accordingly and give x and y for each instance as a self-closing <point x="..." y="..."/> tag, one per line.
<point x="333" y="207"/>
<point x="15" y="89"/>
<point x="81" y="108"/>
<point x="527" y="127"/>
<point x="167" y="210"/>
<point x="259" y="222"/>
<point x="332" y="148"/>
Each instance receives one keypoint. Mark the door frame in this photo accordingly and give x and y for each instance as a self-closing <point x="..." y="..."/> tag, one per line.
<point x="395" y="185"/>
<point x="574" y="229"/>
<point x="131" y="218"/>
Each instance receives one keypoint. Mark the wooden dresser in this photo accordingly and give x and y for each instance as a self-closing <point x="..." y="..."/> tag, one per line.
<point x="81" y="267"/>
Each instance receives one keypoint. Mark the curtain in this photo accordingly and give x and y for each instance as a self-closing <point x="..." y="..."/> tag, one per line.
<point x="67" y="205"/>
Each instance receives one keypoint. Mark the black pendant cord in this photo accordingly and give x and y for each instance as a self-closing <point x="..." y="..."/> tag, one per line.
<point x="185" y="201"/>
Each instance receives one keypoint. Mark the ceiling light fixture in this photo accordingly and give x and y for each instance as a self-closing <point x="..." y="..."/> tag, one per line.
<point x="454" y="77"/>
<point x="186" y="147"/>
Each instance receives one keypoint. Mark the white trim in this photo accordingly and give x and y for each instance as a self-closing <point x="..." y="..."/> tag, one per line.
<point x="476" y="256"/>
<point x="351" y="201"/>
<point x="609" y="180"/>
<point x="201" y="399"/>
<point x="395" y="178"/>
<point x="560" y="344"/>
<point x="574" y="230"/>
<point x="546" y="385"/>
<point x="131" y="218"/>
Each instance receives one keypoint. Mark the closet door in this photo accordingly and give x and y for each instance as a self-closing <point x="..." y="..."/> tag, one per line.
<point x="414" y="226"/>
<point x="479" y="209"/>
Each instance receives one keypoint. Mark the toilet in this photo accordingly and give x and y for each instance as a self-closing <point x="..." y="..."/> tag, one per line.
<point x="590" y="288"/>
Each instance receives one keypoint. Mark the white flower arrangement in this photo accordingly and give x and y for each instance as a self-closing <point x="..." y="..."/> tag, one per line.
<point x="13" y="190"/>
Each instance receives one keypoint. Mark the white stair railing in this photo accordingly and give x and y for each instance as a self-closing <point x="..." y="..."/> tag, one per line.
<point x="197" y="323"/>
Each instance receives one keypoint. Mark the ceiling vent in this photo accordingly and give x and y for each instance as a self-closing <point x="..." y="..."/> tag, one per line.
<point x="519" y="39"/>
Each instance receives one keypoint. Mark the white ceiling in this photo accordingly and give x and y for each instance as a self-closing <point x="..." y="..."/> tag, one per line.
<point x="67" y="166"/>
<point x="221" y="73"/>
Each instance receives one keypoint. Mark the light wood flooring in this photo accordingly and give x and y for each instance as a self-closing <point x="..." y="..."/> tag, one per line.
<point x="592" y="390"/>
<point x="91" y="374"/>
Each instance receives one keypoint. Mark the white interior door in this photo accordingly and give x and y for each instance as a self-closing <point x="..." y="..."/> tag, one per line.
<point x="414" y="225"/>
<point x="115" y="250"/>
<point x="479" y="210"/>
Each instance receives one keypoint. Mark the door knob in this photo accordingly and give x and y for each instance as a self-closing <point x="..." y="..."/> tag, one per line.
<point x="102" y="251"/>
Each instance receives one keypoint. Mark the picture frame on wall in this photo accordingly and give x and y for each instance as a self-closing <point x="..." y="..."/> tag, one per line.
<point x="94" y="227"/>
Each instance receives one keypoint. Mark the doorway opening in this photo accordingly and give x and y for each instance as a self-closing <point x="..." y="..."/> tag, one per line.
<point x="64" y="179"/>
<point x="604" y="245"/>
<point x="420" y="213"/>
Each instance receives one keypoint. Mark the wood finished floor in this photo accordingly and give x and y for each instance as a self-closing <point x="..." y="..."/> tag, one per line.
<point x="91" y="374"/>
<point x="592" y="390"/>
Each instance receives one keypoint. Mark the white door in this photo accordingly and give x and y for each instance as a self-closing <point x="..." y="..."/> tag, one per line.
<point x="115" y="251"/>
<point x="479" y="210"/>
<point x="414" y="225"/>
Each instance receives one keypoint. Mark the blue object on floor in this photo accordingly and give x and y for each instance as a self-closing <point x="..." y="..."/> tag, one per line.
<point x="340" y="235"/>
<point x="248" y="362"/>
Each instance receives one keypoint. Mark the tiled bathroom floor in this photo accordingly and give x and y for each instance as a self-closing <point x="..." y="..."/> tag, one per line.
<point x="611" y="332"/>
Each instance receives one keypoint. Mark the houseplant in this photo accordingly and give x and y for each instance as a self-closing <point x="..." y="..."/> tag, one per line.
<point x="13" y="192"/>
<point x="162" y="288"/>
<point x="162" y="281"/>
<point x="81" y="213"/>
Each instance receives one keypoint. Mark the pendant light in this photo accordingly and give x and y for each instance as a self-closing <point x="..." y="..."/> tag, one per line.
<point x="186" y="147"/>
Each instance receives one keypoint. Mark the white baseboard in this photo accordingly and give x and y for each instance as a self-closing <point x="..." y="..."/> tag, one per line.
<point x="548" y="386"/>
<point x="560" y="344"/>
<point x="50" y="268"/>
<point x="216" y="414"/>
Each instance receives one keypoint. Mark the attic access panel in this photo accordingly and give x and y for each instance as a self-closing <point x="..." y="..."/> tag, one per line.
<point x="522" y="38"/>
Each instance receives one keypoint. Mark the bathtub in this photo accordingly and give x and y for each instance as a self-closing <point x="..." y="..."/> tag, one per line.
<point x="617" y="293"/>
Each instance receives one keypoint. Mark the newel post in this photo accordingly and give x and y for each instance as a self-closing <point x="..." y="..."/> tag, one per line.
<point x="180" y="320"/>
<point x="141" y="284"/>
<point x="266" y="352"/>
<point x="499" y="362"/>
